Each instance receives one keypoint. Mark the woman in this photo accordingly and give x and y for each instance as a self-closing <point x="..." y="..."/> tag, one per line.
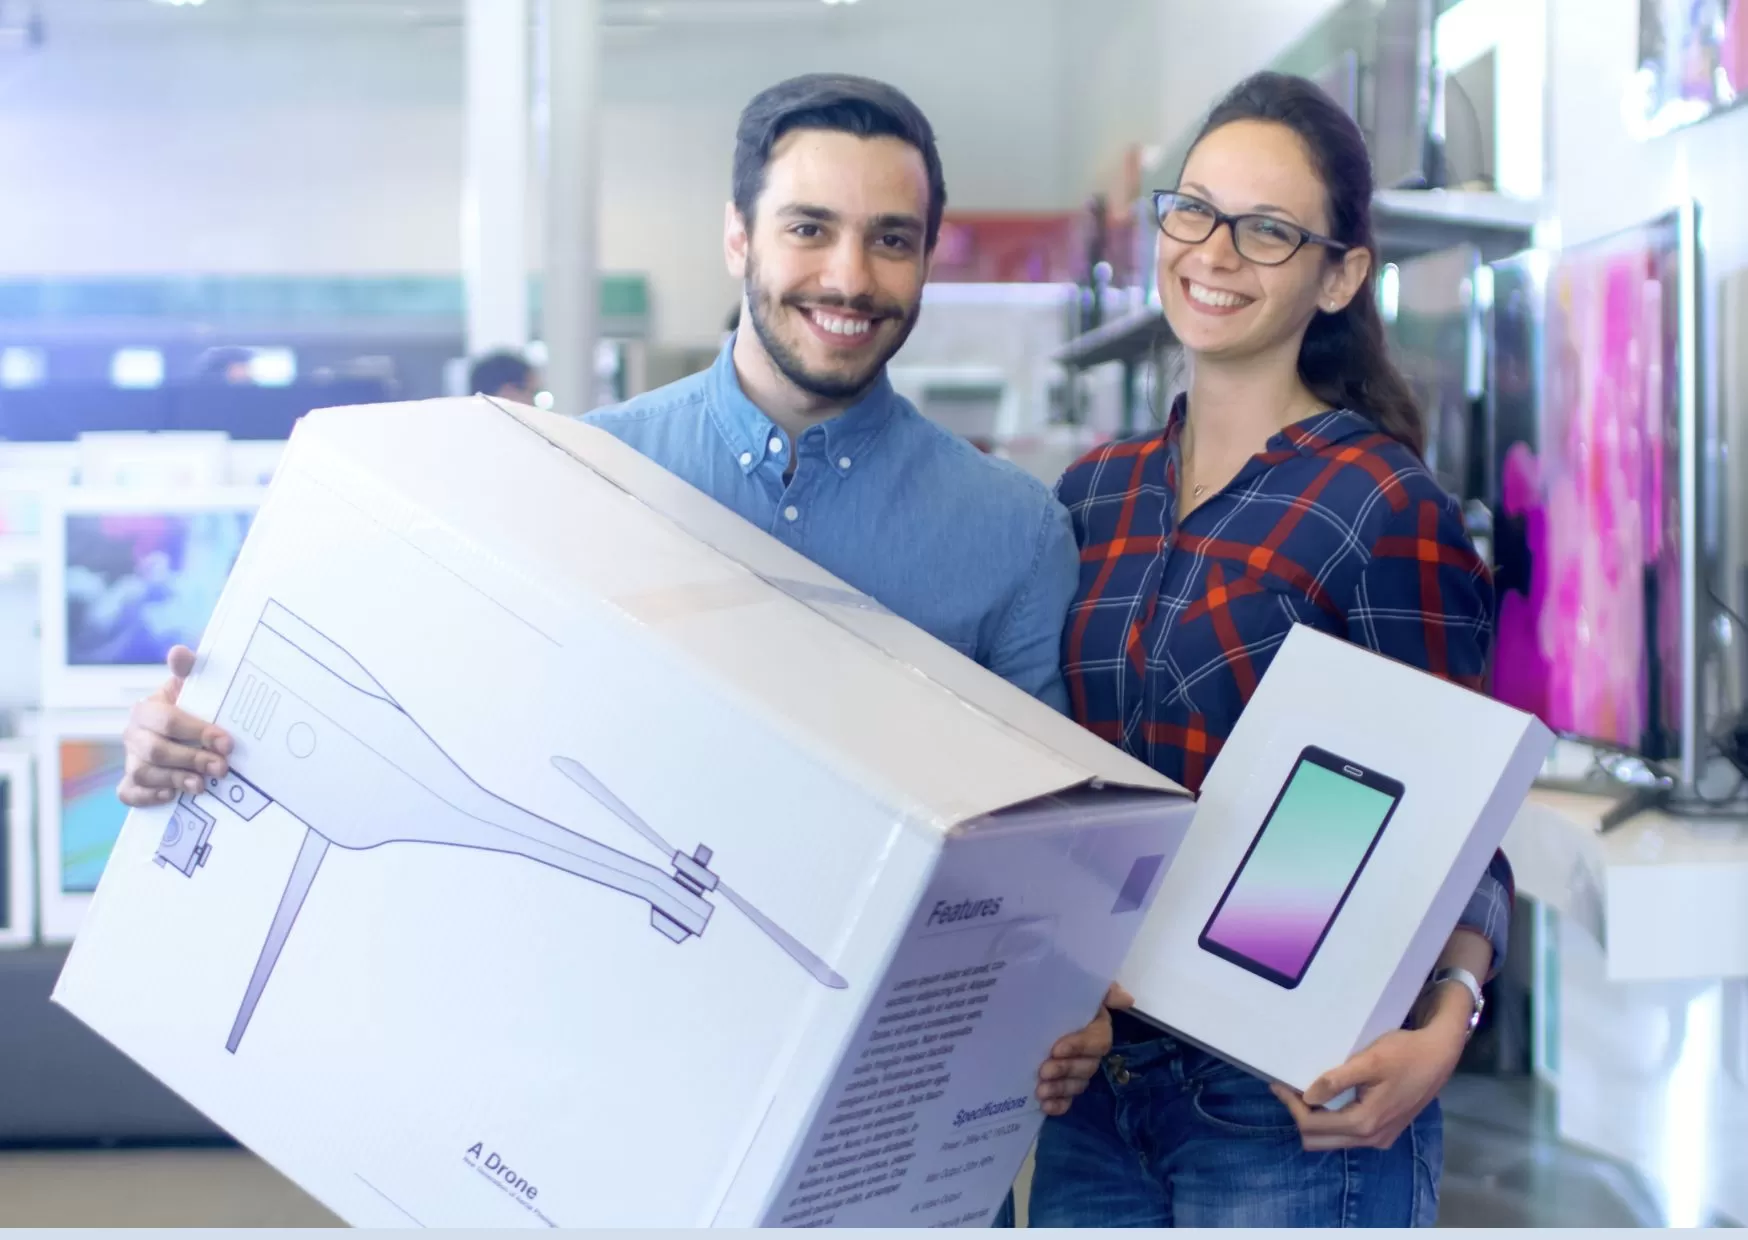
<point x="1287" y="487"/>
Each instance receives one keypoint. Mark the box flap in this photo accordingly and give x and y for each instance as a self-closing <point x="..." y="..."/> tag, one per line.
<point x="805" y="583"/>
<point x="513" y="496"/>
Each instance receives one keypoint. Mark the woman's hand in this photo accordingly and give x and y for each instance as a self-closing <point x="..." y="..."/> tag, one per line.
<point x="1397" y="1077"/>
<point x="1075" y="1059"/>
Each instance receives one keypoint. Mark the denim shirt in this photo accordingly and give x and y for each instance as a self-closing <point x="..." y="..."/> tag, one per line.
<point x="965" y="546"/>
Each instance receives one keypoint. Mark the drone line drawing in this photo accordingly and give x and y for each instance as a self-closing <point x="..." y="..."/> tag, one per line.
<point x="316" y="734"/>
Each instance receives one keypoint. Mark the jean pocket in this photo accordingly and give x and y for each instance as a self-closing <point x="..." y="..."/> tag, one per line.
<point x="1234" y="1101"/>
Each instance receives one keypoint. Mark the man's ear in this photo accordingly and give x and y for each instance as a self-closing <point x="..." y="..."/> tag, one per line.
<point x="735" y="241"/>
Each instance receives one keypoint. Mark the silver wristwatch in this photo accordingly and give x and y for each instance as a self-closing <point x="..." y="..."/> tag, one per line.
<point x="1469" y="982"/>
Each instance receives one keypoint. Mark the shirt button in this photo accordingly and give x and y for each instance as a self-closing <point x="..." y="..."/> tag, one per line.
<point x="746" y="458"/>
<point x="776" y="445"/>
<point x="792" y="513"/>
<point x="843" y="462"/>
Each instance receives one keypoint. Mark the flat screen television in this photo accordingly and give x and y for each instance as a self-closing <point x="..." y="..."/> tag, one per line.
<point x="17" y="839"/>
<point x="25" y="475"/>
<point x="1693" y="62"/>
<point x="153" y="458"/>
<point x="1433" y="329"/>
<point x="80" y="763"/>
<point x="1594" y="434"/>
<point x="126" y="575"/>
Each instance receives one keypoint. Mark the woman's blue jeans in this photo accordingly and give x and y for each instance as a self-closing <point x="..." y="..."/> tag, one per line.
<point x="1166" y="1136"/>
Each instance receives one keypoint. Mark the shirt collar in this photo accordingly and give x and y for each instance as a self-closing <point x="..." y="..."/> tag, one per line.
<point x="1307" y="437"/>
<point x="749" y="432"/>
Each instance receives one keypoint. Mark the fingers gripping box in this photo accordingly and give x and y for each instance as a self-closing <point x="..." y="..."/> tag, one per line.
<point x="589" y="858"/>
<point x="1336" y="842"/>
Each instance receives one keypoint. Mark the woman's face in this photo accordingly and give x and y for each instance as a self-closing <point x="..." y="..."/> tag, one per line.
<point x="1219" y="304"/>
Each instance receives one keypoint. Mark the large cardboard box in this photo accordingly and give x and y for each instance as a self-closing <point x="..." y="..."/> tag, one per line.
<point x="592" y="859"/>
<point x="1336" y="841"/>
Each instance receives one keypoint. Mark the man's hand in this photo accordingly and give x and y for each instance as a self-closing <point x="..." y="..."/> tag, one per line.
<point x="169" y="751"/>
<point x="1075" y="1059"/>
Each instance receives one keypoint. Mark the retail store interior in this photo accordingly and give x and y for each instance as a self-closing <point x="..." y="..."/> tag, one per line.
<point x="222" y="214"/>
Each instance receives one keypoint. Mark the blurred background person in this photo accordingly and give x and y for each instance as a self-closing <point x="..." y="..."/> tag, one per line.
<point x="504" y="374"/>
<point x="226" y="364"/>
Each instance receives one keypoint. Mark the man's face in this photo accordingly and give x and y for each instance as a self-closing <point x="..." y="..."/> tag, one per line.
<point x="522" y="393"/>
<point x="834" y="264"/>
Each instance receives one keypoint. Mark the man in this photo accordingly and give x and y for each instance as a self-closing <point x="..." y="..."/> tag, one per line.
<point x="506" y="375"/>
<point x="837" y="203"/>
<point x="226" y="365"/>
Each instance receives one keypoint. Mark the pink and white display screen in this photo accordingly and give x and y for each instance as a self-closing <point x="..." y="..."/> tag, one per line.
<point x="1590" y="607"/>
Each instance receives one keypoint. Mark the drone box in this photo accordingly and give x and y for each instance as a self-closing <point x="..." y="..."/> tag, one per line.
<point x="589" y="858"/>
<point x="1337" y="839"/>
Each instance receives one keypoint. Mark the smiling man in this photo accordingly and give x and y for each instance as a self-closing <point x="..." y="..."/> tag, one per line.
<point x="838" y="197"/>
<point x="837" y="202"/>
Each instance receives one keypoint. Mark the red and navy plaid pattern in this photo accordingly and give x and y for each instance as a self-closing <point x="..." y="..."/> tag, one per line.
<point x="1334" y="525"/>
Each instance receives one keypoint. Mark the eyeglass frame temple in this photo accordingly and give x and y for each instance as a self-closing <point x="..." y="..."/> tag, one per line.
<point x="1231" y="222"/>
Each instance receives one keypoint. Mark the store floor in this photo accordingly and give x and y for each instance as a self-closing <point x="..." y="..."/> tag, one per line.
<point x="1501" y="1170"/>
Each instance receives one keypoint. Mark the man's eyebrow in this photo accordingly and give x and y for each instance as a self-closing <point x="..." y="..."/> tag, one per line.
<point x="807" y="211"/>
<point x="896" y="221"/>
<point x="899" y="222"/>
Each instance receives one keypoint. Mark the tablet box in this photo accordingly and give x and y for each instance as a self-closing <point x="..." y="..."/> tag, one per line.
<point x="1337" y="839"/>
<point x="592" y="859"/>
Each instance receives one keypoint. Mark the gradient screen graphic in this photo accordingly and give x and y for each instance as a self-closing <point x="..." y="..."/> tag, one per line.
<point x="138" y="584"/>
<point x="91" y="813"/>
<point x="1299" y="871"/>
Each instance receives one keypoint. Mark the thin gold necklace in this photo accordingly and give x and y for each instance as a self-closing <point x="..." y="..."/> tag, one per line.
<point x="1197" y="491"/>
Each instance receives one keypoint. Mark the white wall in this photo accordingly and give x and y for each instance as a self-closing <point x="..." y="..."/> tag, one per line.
<point x="1145" y="72"/>
<point x="1112" y="75"/>
<point x="151" y="151"/>
<point x="142" y="155"/>
<point x="1211" y="45"/>
<point x="1603" y="179"/>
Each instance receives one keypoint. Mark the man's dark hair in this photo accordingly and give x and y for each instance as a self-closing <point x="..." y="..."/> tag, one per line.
<point x="496" y="371"/>
<point x="841" y="103"/>
<point x="213" y="366"/>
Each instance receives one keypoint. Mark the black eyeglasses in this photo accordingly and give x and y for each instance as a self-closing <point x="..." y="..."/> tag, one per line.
<point x="1260" y="239"/>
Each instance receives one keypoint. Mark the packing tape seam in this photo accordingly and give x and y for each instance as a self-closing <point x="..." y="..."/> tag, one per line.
<point x="816" y="600"/>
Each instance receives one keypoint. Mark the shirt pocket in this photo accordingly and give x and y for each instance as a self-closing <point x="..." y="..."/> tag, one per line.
<point x="1264" y="603"/>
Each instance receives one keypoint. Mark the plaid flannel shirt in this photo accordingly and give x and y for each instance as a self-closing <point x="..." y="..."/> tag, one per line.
<point x="1333" y="525"/>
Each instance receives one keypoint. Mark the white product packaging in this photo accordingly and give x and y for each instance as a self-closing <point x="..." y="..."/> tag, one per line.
<point x="591" y="859"/>
<point x="1337" y="839"/>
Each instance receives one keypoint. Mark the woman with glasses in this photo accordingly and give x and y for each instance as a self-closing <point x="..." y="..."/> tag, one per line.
<point x="1287" y="487"/>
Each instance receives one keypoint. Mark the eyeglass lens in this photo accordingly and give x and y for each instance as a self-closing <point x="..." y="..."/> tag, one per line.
<point x="1259" y="238"/>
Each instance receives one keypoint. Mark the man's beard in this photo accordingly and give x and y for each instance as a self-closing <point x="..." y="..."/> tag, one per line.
<point x="765" y="307"/>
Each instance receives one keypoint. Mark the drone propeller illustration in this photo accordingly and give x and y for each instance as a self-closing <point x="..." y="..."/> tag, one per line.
<point x="316" y="734"/>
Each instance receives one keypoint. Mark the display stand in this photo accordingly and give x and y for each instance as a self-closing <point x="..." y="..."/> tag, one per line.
<point x="1677" y="803"/>
<point x="1642" y="790"/>
<point x="65" y="1086"/>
